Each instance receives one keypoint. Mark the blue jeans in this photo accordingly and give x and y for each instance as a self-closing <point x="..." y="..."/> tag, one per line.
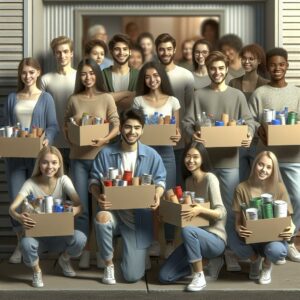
<point x="247" y="156"/>
<point x="291" y="176"/>
<point x="168" y="158"/>
<point x="80" y="170"/>
<point x="179" y="158"/>
<point x="31" y="247"/>
<point x="17" y="170"/>
<point x="197" y="243"/>
<point x="133" y="259"/>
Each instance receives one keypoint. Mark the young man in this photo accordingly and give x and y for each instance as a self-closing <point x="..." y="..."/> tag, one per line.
<point x="134" y="226"/>
<point x="277" y="95"/>
<point x="60" y="84"/>
<point x="120" y="78"/>
<point x="215" y="99"/>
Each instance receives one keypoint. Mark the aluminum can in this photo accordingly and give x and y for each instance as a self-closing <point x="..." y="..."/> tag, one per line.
<point x="97" y="120"/>
<point x="257" y="203"/>
<point x="146" y="179"/>
<point x="267" y="210"/>
<point x="48" y="204"/>
<point x="267" y="115"/>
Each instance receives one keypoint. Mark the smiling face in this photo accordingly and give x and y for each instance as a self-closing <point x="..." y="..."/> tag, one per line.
<point x="121" y="53"/>
<point x="187" y="50"/>
<point x="147" y="45"/>
<point x="200" y="54"/>
<point x="152" y="79"/>
<point x="230" y="52"/>
<point x="193" y="160"/>
<point x="249" y="62"/>
<point x="277" y="67"/>
<point x="136" y="59"/>
<point x="88" y="77"/>
<point x="131" y="131"/>
<point x="29" y="75"/>
<point x="49" y="165"/>
<point x="217" y="71"/>
<point x="97" y="54"/>
<point x="264" y="168"/>
<point x="63" y="55"/>
<point x="166" y="53"/>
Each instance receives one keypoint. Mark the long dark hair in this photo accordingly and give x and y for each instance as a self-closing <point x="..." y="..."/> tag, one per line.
<point x="100" y="83"/>
<point x="206" y="164"/>
<point x="142" y="89"/>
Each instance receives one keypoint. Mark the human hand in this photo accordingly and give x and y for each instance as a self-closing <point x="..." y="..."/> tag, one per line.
<point x="103" y="203"/>
<point x="77" y="210"/>
<point x="196" y="210"/>
<point x="26" y="221"/>
<point x="247" y="142"/>
<point x="156" y="203"/>
<point x="197" y="137"/>
<point x="99" y="142"/>
<point x="243" y="231"/>
<point x="261" y="132"/>
<point x="45" y="142"/>
<point x="176" y="138"/>
<point x="287" y="233"/>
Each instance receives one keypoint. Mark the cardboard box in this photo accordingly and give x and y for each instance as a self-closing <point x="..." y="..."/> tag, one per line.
<point x="21" y="147"/>
<point x="265" y="230"/>
<point x="158" y="135"/>
<point x="83" y="135"/>
<point x="171" y="214"/>
<point x="283" y="135"/>
<point x="224" y="136"/>
<point x="130" y="197"/>
<point x="52" y="224"/>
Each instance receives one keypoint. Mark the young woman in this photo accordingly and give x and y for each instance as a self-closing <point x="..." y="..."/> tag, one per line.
<point x="48" y="179"/>
<point x="90" y="96"/>
<point x="199" y="243"/>
<point x="97" y="50"/>
<point x="254" y="63"/>
<point x="265" y="177"/>
<point x="30" y="107"/>
<point x="186" y="60"/>
<point x="154" y="94"/>
<point x="201" y="50"/>
<point x="146" y="42"/>
<point x="137" y="58"/>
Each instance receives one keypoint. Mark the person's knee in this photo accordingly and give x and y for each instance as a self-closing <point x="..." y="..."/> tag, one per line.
<point x="27" y="245"/>
<point x="186" y="233"/>
<point x="103" y="217"/>
<point x="275" y="251"/>
<point x="163" y="277"/>
<point x="132" y="277"/>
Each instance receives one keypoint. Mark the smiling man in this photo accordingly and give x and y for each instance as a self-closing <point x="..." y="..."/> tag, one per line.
<point x="134" y="226"/>
<point x="277" y="95"/>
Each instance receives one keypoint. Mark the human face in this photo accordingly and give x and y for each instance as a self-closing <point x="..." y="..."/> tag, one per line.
<point x="264" y="168"/>
<point x="98" y="54"/>
<point x="217" y="71"/>
<point x="166" y="53"/>
<point x="29" y="75"/>
<point x="49" y="165"/>
<point x="249" y="62"/>
<point x="200" y="54"/>
<point x="147" y="45"/>
<point x="88" y="77"/>
<point x="63" y="55"/>
<point x="230" y="52"/>
<point x="193" y="160"/>
<point x="121" y="53"/>
<point x="187" y="50"/>
<point x="136" y="59"/>
<point x="152" y="79"/>
<point x="277" y="67"/>
<point x="131" y="131"/>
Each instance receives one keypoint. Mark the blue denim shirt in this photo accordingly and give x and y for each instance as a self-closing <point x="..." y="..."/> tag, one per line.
<point x="148" y="161"/>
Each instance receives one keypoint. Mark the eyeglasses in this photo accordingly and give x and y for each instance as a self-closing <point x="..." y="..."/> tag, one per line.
<point x="250" y="59"/>
<point x="204" y="53"/>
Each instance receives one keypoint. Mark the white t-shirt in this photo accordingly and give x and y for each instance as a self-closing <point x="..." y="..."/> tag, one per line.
<point x="120" y="81"/>
<point x="24" y="110"/>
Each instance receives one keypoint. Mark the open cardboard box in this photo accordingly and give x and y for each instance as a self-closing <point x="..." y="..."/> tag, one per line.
<point x="158" y="135"/>
<point x="265" y="230"/>
<point x="224" y="136"/>
<point x="21" y="146"/>
<point x="83" y="135"/>
<point x="130" y="197"/>
<point x="52" y="224"/>
<point x="171" y="214"/>
<point x="283" y="135"/>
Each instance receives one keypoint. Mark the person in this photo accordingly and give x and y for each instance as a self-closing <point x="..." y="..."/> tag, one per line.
<point x="265" y="177"/>
<point x="201" y="50"/>
<point x="278" y="94"/>
<point x="254" y="63"/>
<point x="199" y="243"/>
<point x="120" y="78"/>
<point x="134" y="226"/>
<point x="90" y="96"/>
<point x="187" y="54"/>
<point x="97" y="50"/>
<point x="218" y="98"/>
<point x="146" y="42"/>
<point x="182" y="83"/>
<point x="137" y="58"/>
<point x="29" y="106"/>
<point x="231" y="45"/>
<point x="210" y="31"/>
<point x="132" y="30"/>
<point x="48" y="179"/>
<point x="60" y="84"/>
<point x="154" y="94"/>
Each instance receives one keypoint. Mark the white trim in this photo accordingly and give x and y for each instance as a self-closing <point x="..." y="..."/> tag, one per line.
<point x="27" y="28"/>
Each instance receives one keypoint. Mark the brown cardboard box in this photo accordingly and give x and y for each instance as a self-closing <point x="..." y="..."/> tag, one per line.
<point x="130" y="197"/>
<point x="83" y="135"/>
<point x="171" y="213"/>
<point x="52" y="224"/>
<point x="224" y="136"/>
<point x="283" y="135"/>
<point x="265" y="230"/>
<point x="21" y="147"/>
<point x="158" y="135"/>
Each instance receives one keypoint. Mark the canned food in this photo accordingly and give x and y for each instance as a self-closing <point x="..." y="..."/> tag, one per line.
<point x="146" y="179"/>
<point x="97" y="120"/>
<point x="292" y="118"/>
<point x="267" y="115"/>
<point x="267" y="210"/>
<point x="199" y="200"/>
<point x="257" y="203"/>
<point x="112" y="173"/>
<point x="48" y="204"/>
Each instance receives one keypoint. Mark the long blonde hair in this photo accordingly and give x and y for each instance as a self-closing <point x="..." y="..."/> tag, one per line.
<point x="45" y="150"/>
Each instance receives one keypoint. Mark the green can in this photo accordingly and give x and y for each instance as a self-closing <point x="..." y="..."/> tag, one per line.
<point x="267" y="210"/>
<point x="292" y="118"/>
<point x="257" y="202"/>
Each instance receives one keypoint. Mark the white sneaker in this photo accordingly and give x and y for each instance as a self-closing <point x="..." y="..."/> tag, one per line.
<point x="84" y="262"/>
<point x="109" y="275"/>
<point x="66" y="267"/>
<point x="280" y="261"/>
<point x="255" y="269"/>
<point x="100" y="261"/>
<point x="293" y="253"/>
<point x="214" y="267"/>
<point x="154" y="249"/>
<point x="169" y="250"/>
<point x="16" y="257"/>
<point x="198" y="283"/>
<point x="37" y="280"/>
<point x="265" y="274"/>
<point x="232" y="264"/>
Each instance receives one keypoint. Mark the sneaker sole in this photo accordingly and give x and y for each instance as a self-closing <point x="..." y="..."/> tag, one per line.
<point x="108" y="282"/>
<point x="196" y="289"/>
<point x="38" y="286"/>
<point x="265" y="282"/>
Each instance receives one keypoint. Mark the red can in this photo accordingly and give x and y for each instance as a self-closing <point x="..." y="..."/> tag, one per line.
<point x="178" y="191"/>
<point x="108" y="182"/>
<point x="128" y="177"/>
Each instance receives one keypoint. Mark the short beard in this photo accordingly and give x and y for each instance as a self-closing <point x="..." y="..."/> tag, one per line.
<point x="217" y="82"/>
<point x="169" y="62"/>
<point x="126" y="141"/>
<point x="122" y="63"/>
